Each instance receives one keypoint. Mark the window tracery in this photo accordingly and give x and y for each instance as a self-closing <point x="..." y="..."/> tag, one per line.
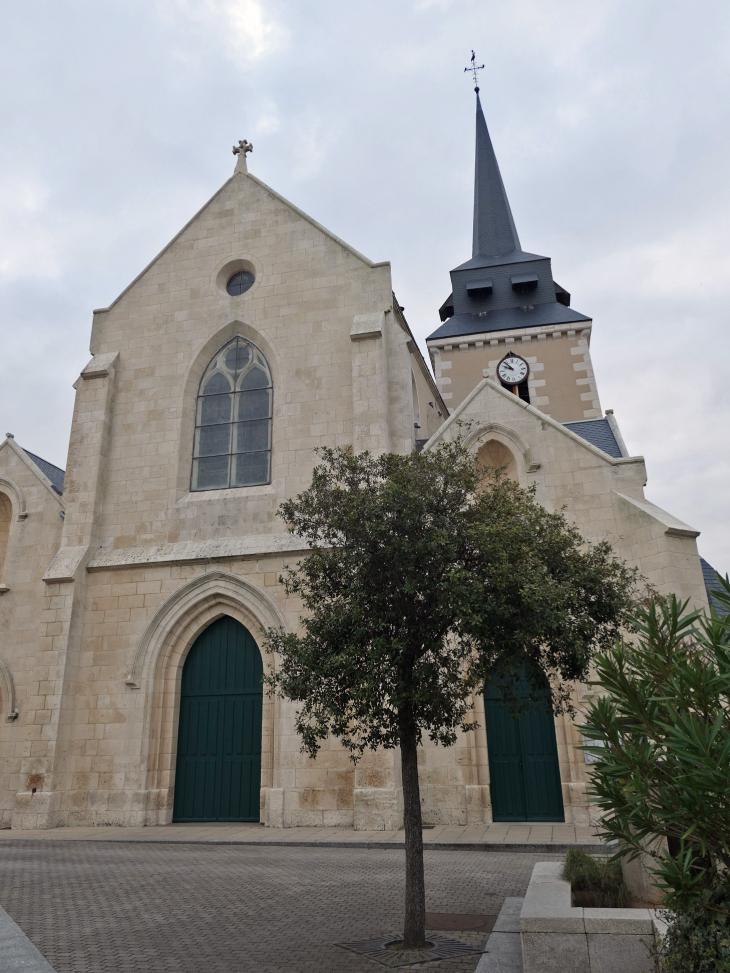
<point x="233" y="420"/>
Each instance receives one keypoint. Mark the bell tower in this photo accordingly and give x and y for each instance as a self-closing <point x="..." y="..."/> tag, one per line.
<point x="506" y="307"/>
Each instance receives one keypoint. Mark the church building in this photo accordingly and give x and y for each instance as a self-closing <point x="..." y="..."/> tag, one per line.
<point x="136" y="587"/>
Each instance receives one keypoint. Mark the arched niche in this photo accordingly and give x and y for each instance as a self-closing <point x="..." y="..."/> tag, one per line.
<point x="516" y="446"/>
<point x="496" y="455"/>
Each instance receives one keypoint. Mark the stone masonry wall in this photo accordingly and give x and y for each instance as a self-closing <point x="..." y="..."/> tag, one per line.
<point x="27" y="672"/>
<point x="561" y="381"/>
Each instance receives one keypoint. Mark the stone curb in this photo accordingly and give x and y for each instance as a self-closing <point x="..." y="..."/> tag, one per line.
<point x="539" y="848"/>
<point x="17" y="952"/>
<point x="558" y="936"/>
<point x="503" y="950"/>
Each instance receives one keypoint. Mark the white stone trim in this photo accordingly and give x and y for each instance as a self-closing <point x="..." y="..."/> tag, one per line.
<point x="542" y="416"/>
<point x="100" y="365"/>
<point x="673" y="526"/>
<point x="494" y="337"/>
<point x="213" y="588"/>
<point x="65" y="564"/>
<point x="367" y="326"/>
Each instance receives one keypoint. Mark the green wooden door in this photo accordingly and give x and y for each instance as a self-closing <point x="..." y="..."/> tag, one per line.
<point x="523" y="760"/>
<point x="218" y="772"/>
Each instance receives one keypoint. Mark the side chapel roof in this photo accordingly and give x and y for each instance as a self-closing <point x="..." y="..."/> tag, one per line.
<point x="599" y="433"/>
<point x="54" y="473"/>
<point x="712" y="582"/>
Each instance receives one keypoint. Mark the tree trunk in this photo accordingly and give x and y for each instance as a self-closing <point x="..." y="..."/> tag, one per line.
<point x="414" y="930"/>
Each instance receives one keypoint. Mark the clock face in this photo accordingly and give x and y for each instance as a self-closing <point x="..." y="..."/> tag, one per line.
<point x="513" y="370"/>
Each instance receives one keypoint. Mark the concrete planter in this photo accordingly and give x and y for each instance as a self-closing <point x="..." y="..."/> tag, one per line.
<point x="559" y="938"/>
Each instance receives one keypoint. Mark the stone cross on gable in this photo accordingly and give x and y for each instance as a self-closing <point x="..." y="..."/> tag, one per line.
<point x="242" y="150"/>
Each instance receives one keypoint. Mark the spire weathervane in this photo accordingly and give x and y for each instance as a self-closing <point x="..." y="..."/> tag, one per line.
<point x="473" y="68"/>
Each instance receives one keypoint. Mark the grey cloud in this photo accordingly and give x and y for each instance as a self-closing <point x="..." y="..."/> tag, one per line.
<point x="610" y="122"/>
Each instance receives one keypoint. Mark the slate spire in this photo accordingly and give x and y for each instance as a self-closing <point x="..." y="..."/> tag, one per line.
<point x="494" y="228"/>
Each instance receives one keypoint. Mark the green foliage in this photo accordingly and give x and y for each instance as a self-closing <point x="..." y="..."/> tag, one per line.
<point x="698" y="938"/>
<point x="602" y="879"/>
<point x="426" y="574"/>
<point x="662" y="743"/>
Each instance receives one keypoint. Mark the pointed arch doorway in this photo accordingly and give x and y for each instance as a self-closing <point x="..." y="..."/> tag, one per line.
<point x="524" y="772"/>
<point x="218" y="770"/>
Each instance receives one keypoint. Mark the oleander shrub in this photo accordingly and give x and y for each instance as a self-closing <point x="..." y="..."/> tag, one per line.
<point x="660" y="737"/>
<point x="698" y="938"/>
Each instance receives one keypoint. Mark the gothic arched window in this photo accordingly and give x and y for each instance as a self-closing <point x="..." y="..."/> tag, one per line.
<point x="233" y="420"/>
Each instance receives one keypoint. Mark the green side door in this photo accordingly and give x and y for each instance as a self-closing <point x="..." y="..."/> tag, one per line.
<point x="523" y="759"/>
<point x="218" y="770"/>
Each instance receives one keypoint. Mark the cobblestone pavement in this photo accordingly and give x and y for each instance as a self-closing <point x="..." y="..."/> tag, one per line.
<point x="93" y="907"/>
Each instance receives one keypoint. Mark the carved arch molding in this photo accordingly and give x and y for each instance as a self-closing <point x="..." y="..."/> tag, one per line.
<point x="213" y="590"/>
<point x="478" y="437"/>
<point x="157" y="669"/>
<point x="16" y="496"/>
<point x="7" y="688"/>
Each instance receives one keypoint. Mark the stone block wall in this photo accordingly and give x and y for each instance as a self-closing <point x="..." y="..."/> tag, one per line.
<point x="29" y="676"/>
<point x="561" y="381"/>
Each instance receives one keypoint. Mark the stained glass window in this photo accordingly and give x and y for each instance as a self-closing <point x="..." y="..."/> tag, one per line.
<point x="233" y="420"/>
<point x="240" y="282"/>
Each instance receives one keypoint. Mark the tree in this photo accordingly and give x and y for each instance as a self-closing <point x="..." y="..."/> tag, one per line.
<point x="662" y="745"/>
<point x="427" y="575"/>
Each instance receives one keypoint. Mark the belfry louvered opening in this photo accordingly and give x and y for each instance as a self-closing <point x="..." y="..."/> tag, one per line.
<point x="233" y="420"/>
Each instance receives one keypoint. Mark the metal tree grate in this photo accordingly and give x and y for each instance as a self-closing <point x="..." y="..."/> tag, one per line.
<point x="381" y="950"/>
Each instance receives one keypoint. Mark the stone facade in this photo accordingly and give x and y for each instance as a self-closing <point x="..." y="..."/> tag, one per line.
<point x="604" y="497"/>
<point x="561" y="381"/>
<point x="105" y="589"/>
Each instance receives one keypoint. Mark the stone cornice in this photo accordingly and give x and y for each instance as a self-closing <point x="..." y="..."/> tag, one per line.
<point x="255" y="545"/>
<point x="500" y="336"/>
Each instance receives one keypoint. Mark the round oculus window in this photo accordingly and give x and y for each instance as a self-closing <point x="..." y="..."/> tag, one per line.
<point x="240" y="282"/>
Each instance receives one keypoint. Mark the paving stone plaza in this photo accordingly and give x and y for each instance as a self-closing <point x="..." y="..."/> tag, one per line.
<point x="128" y="906"/>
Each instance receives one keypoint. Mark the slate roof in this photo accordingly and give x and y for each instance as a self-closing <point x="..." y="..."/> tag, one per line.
<point x="598" y="432"/>
<point x="712" y="583"/>
<point x="494" y="228"/>
<point x="54" y="474"/>
<point x="498" y="260"/>
<point x="507" y="318"/>
<point x="521" y="283"/>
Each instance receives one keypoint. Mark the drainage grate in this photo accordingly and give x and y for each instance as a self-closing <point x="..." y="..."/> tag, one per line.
<point x="441" y="948"/>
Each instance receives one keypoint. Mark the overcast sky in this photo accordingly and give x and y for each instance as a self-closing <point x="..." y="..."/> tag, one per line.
<point x="611" y="123"/>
